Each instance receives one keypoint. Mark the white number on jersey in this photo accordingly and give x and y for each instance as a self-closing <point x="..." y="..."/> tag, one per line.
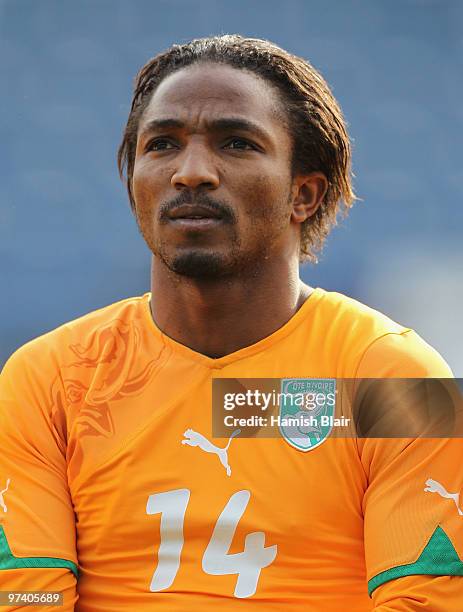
<point x="216" y="559"/>
<point x="246" y="564"/>
<point x="172" y="506"/>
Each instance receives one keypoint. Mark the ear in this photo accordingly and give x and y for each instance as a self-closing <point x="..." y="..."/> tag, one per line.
<point x="310" y="189"/>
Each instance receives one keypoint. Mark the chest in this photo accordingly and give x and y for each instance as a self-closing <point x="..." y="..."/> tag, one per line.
<point x="173" y="504"/>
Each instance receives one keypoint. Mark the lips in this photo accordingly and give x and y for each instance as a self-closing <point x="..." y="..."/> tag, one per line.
<point x="194" y="212"/>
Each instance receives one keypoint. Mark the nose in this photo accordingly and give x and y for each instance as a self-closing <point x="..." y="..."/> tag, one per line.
<point x="195" y="169"/>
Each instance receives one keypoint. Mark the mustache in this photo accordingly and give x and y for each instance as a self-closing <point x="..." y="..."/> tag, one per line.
<point x="225" y="211"/>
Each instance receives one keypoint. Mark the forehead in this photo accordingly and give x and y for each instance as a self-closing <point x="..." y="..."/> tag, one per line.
<point x="208" y="89"/>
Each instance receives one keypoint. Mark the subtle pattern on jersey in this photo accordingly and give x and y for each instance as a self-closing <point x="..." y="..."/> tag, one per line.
<point x="91" y="420"/>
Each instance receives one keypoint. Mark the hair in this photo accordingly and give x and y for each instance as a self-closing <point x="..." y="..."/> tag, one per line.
<point x="315" y="121"/>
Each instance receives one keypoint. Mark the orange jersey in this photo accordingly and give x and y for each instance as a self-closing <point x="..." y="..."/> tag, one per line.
<point x="113" y="491"/>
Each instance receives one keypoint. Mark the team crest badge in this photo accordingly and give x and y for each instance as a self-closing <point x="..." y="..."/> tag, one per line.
<point x="306" y="414"/>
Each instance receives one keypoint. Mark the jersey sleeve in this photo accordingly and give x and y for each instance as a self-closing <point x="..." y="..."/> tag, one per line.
<point x="404" y="355"/>
<point x="37" y="525"/>
<point x="413" y="505"/>
<point x="436" y="593"/>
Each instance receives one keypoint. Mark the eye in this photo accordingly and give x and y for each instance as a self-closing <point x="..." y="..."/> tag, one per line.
<point x="159" y="144"/>
<point x="241" y="144"/>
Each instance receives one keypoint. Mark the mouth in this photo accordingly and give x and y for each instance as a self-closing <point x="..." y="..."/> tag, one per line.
<point x="194" y="212"/>
<point x="192" y="216"/>
<point x="195" y="223"/>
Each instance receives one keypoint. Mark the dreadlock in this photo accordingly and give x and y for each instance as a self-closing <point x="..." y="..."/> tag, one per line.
<point x="314" y="118"/>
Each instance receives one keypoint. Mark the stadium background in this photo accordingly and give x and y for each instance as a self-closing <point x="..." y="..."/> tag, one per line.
<point x="68" y="243"/>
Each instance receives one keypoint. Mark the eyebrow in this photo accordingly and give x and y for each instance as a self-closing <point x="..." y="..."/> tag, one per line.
<point x="216" y="125"/>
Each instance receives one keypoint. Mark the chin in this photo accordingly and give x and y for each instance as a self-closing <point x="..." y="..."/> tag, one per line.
<point x="200" y="265"/>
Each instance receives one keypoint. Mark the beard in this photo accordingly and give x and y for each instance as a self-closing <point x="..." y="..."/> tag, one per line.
<point x="206" y="263"/>
<point x="200" y="264"/>
<point x="194" y="261"/>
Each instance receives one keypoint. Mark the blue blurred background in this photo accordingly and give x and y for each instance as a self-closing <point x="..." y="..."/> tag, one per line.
<point x="68" y="242"/>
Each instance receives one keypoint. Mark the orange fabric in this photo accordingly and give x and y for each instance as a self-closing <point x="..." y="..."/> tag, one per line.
<point x="92" y="419"/>
<point x="49" y="580"/>
<point x="416" y="593"/>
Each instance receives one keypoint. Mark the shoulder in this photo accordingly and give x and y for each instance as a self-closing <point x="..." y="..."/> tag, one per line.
<point x="348" y="314"/>
<point x="372" y="344"/>
<point x="404" y="355"/>
<point x="46" y="384"/>
<point x="46" y="353"/>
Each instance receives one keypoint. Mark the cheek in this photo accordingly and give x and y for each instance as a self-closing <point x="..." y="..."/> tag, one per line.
<point x="146" y="185"/>
<point x="267" y="201"/>
<point x="140" y="186"/>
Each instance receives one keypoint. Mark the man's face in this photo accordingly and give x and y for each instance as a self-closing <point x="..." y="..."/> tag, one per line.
<point x="212" y="176"/>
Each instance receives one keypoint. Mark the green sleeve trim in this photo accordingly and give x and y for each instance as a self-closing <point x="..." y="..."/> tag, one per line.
<point x="9" y="561"/>
<point x="439" y="558"/>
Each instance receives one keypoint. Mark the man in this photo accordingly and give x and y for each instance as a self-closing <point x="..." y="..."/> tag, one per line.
<point x="237" y="162"/>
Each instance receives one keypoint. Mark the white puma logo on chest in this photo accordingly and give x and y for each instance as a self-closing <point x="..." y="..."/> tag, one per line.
<point x="193" y="438"/>
<point x="435" y="487"/>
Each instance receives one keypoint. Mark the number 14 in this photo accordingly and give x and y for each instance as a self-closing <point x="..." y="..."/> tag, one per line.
<point x="216" y="560"/>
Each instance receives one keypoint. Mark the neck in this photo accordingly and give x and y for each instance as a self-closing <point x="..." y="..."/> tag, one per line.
<point x="220" y="316"/>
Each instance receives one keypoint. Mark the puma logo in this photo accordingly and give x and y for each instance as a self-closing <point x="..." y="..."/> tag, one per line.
<point x="193" y="438"/>
<point x="435" y="487"/>
<point x="2" y="500"/>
